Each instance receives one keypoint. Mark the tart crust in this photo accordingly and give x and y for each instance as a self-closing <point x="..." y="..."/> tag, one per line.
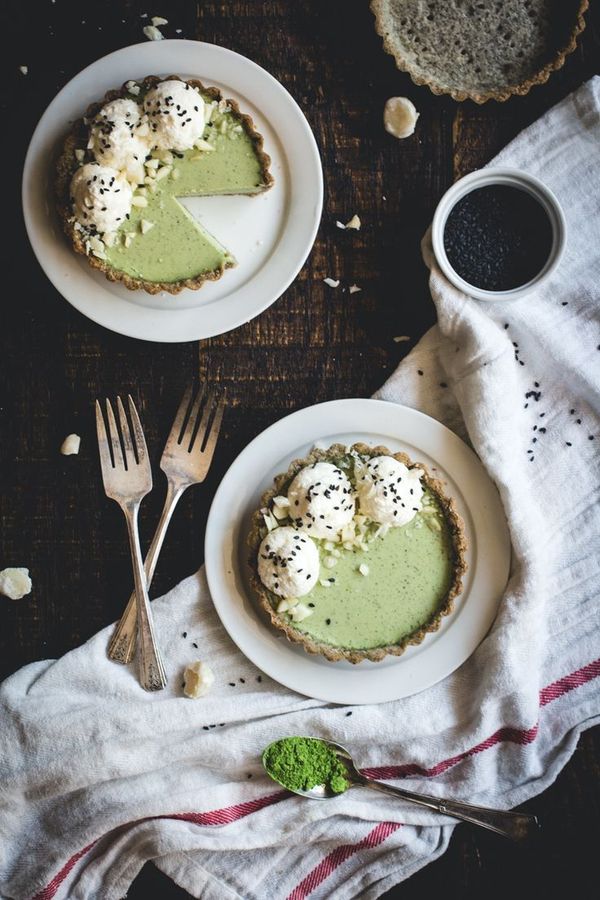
<point x="539" y="77"/>
<point x="375" y="654"/>
<point x="66" y="166"/>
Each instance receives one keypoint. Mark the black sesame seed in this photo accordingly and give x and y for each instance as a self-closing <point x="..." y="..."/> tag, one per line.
<point x="328" y="621"/>
<point x="497" y="237"/>
<point x="194" y="644"/>
<point x="349" y="713"/>
<point x="184" y="634"/>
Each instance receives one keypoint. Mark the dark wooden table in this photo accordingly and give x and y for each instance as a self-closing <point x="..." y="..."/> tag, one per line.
<point x="313" y="344"/>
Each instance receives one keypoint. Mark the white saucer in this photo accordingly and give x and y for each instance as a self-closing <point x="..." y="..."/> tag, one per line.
<point x="270" y="235"/>
<point x="399" y="428"/>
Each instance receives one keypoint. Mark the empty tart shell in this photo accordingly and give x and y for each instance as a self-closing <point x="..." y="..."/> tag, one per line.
<point x="482" y="50"/>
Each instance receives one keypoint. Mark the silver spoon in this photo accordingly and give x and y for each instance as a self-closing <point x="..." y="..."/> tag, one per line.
<point x="514" y="825"/>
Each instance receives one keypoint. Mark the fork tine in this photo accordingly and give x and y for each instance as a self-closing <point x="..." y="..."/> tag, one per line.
<point x="126" y="435"/>
<point x="190" y="428"/>
<point x="105" y="460"/>
<point x="114" y="437"/>
<point x="138" y="431"/>
<point x="177" y="426"/>
<point x="198" y="437"/>
<point x="211" y="440"/>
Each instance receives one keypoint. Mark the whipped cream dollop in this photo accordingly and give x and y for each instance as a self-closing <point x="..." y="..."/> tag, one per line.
<point x="321" y="500"/>
<point x="175" y="113"/>
<point x="101" y="197"/>
<point x="120" y="138"/>
<point x="288" y="562"/>
<point x="388" y="491"/>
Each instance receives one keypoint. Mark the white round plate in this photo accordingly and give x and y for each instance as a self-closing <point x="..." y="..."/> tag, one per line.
<point x="399" y="428"/>
<point x="270" y="234"/>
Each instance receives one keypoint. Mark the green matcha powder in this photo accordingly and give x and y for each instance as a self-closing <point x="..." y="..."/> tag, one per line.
<point x="299" y="764"/>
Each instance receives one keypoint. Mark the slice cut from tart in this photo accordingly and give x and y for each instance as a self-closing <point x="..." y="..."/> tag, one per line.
<point x="356" y="553"/>
<point x="134" y="142"/>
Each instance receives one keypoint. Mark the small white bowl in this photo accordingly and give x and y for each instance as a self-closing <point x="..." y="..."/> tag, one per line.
<point x="512" y="178"/>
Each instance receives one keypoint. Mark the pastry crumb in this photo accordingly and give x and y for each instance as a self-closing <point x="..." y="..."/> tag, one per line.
<point x="354" y="289"/>
<point x="198" y="679"/>
<point x="400" y="338"/>
<point x="400" y="117"/>
<point x="70" y="445"/>
<point x="363" y="569"/>
<point x="152" y="33"/>
<point x="332" y="282"/>
<point x="300" y="612"/>
<point x="23" y="70"/>
<point x="15" y="583"/>
<point x="353" y="225"/>
<point x="158" y="20"/>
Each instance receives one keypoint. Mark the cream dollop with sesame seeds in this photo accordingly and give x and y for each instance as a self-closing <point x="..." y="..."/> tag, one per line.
<point x="321" y="500"/>
<point x="101" y="197"/>
<point x="120" y="138"/>
<point x="288" y="562"/>
<point x="388" y="491"/>
<point x="175" y="113"/>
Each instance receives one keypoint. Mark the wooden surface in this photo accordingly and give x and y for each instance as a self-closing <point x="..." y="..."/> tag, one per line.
<point x="313" y="344"/>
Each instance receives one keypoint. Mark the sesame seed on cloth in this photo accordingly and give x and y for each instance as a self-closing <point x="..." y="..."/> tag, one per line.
<point x="163" y="774"/>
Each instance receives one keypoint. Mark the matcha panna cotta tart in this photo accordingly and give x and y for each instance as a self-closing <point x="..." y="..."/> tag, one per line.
<point x="356" y="553"/>
<point x="124" y="165"/>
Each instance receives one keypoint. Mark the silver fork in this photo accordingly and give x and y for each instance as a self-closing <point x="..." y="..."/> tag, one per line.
<point x="185" y="461"/>
<point x="127" y="479"/>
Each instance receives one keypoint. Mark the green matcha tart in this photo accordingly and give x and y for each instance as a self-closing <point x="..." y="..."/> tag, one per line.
<point x="125" y="164"/>
<point x="356" y="553"/>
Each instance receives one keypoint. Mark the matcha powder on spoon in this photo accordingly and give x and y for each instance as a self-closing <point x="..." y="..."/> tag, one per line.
<point x="300" y="763"/>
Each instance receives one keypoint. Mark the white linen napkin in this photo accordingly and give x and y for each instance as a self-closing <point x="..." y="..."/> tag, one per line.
<point x="97" y="777"/>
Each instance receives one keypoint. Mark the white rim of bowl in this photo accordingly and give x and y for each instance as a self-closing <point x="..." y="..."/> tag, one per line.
<point x="502" y="176"/>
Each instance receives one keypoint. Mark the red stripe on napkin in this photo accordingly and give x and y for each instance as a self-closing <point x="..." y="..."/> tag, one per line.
<point x="327" y="866"/>
<point x="514" y="735"/>
<point x="382" y="831"/>
<point x="215" y="817"/>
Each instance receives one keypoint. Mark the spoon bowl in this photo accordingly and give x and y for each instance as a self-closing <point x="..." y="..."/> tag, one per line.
<point x="514" y="825"/>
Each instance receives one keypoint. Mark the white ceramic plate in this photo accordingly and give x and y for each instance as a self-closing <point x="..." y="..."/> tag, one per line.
<point x="399" y="428"/>
<point x="270" y="234"/>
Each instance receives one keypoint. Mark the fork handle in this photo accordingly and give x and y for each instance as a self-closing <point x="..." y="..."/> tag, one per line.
<point x="121" y="647"/>
<point x="151" y="669"/>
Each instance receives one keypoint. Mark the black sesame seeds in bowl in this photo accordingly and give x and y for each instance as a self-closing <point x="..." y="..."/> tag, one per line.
<point x="497" y="234"/>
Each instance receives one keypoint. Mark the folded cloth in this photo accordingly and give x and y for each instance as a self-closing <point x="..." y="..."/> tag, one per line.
<point x="98" y="777"/>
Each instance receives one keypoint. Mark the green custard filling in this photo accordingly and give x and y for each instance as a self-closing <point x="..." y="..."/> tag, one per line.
<point x="177" y="247"/>
<point x="409" y="574"/>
